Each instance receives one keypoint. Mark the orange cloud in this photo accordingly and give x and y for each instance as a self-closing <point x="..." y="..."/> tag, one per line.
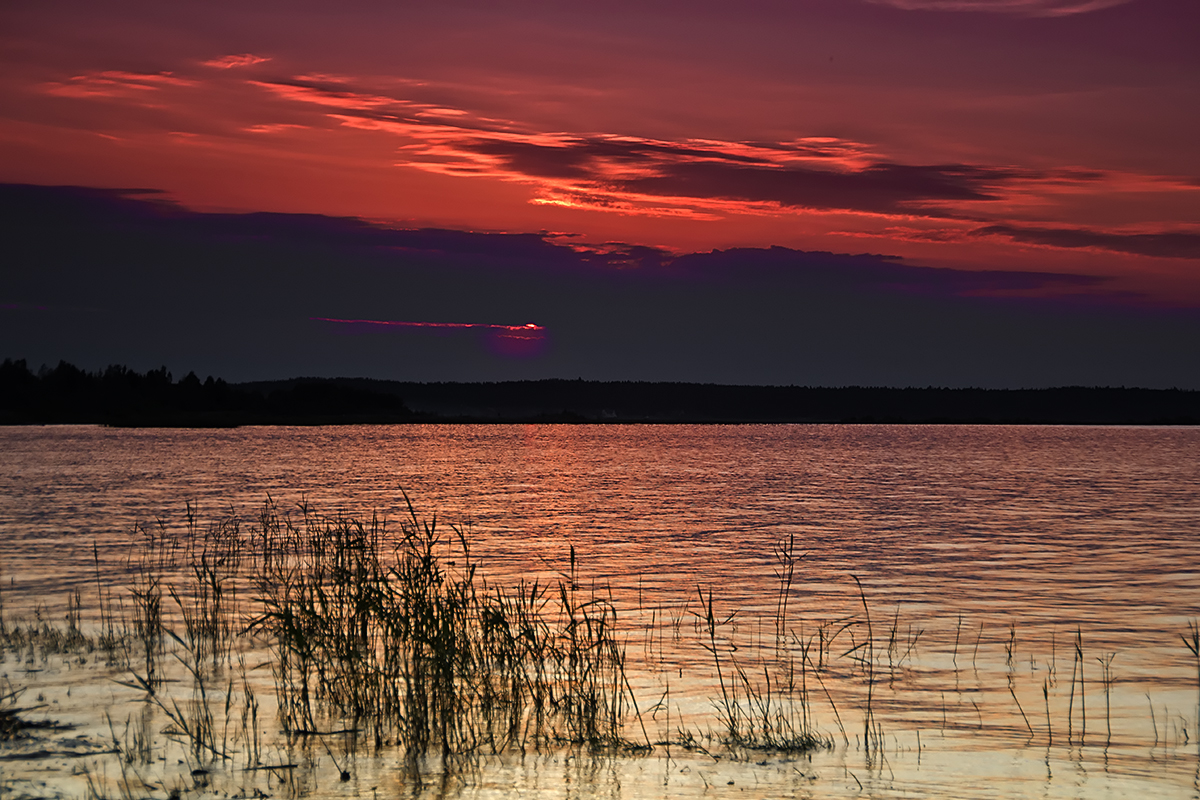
<point x="346" y="100"/>
<point x="114" y="83"/>
<point x="235" y="62"/>
<point x="278" y="127"/>
<point x="684" y="179"/>
<point x="708" y="179"/>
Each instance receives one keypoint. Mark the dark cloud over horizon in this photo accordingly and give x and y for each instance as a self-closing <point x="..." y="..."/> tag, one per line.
<point x="98" y="277"/>
<point x="1174" y="244"/>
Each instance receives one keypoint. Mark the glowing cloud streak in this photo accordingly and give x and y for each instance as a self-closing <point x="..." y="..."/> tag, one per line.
<point x="235" y="61"/>
<point x="509" y="341"/>
<point x="513" y="330"/>
<point x="115" y="83"/>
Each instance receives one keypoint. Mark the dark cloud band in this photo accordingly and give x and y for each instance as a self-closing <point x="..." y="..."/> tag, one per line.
<point x="1171" y="244"/>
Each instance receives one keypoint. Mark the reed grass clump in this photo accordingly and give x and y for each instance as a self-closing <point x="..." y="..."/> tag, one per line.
<point x="38" y="639"/>
<point x="397" y="634"/>
<point x="764" y="702"/>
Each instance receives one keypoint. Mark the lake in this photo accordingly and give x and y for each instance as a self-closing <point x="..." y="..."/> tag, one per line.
<point x="977" y="611"/>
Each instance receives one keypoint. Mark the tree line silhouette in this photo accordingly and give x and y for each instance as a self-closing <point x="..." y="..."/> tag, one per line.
<point x="121" y="396"/>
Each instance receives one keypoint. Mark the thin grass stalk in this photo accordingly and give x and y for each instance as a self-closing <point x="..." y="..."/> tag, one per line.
<point x="1082" y="700"/>
<point x="1106" y="682"/>
<point x="1071" y="700"/>
<point x="1046" y="699"/>
<point x="1192" y="642"/>
<point x="729" y="711"/>
<point x="1013" y="692"/>
<point x="870" y="663"/>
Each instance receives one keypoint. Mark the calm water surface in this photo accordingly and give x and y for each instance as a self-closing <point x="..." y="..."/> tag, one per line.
<point x="985" y="548"/>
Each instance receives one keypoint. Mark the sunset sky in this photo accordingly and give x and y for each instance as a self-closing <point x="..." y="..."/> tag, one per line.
<point x="1046" y="147"/>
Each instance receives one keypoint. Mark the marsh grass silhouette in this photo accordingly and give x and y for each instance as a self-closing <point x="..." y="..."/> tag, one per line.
<point x="399" y="637"/>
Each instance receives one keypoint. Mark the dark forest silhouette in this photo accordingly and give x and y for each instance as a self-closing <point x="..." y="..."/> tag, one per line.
<point x="120" y="396"/>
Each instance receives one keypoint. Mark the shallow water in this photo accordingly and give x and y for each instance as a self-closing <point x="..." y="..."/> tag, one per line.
<point x="970" y="542"/>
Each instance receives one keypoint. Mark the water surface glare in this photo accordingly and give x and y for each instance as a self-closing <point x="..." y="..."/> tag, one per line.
<point x="983" y="553"/>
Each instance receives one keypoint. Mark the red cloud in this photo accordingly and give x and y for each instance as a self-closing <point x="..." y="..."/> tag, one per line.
<point x="1027" y="8"/>
<point x="690" y="178"/>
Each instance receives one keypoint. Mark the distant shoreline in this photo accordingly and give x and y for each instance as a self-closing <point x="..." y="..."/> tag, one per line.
<point x="120" y="397"/>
